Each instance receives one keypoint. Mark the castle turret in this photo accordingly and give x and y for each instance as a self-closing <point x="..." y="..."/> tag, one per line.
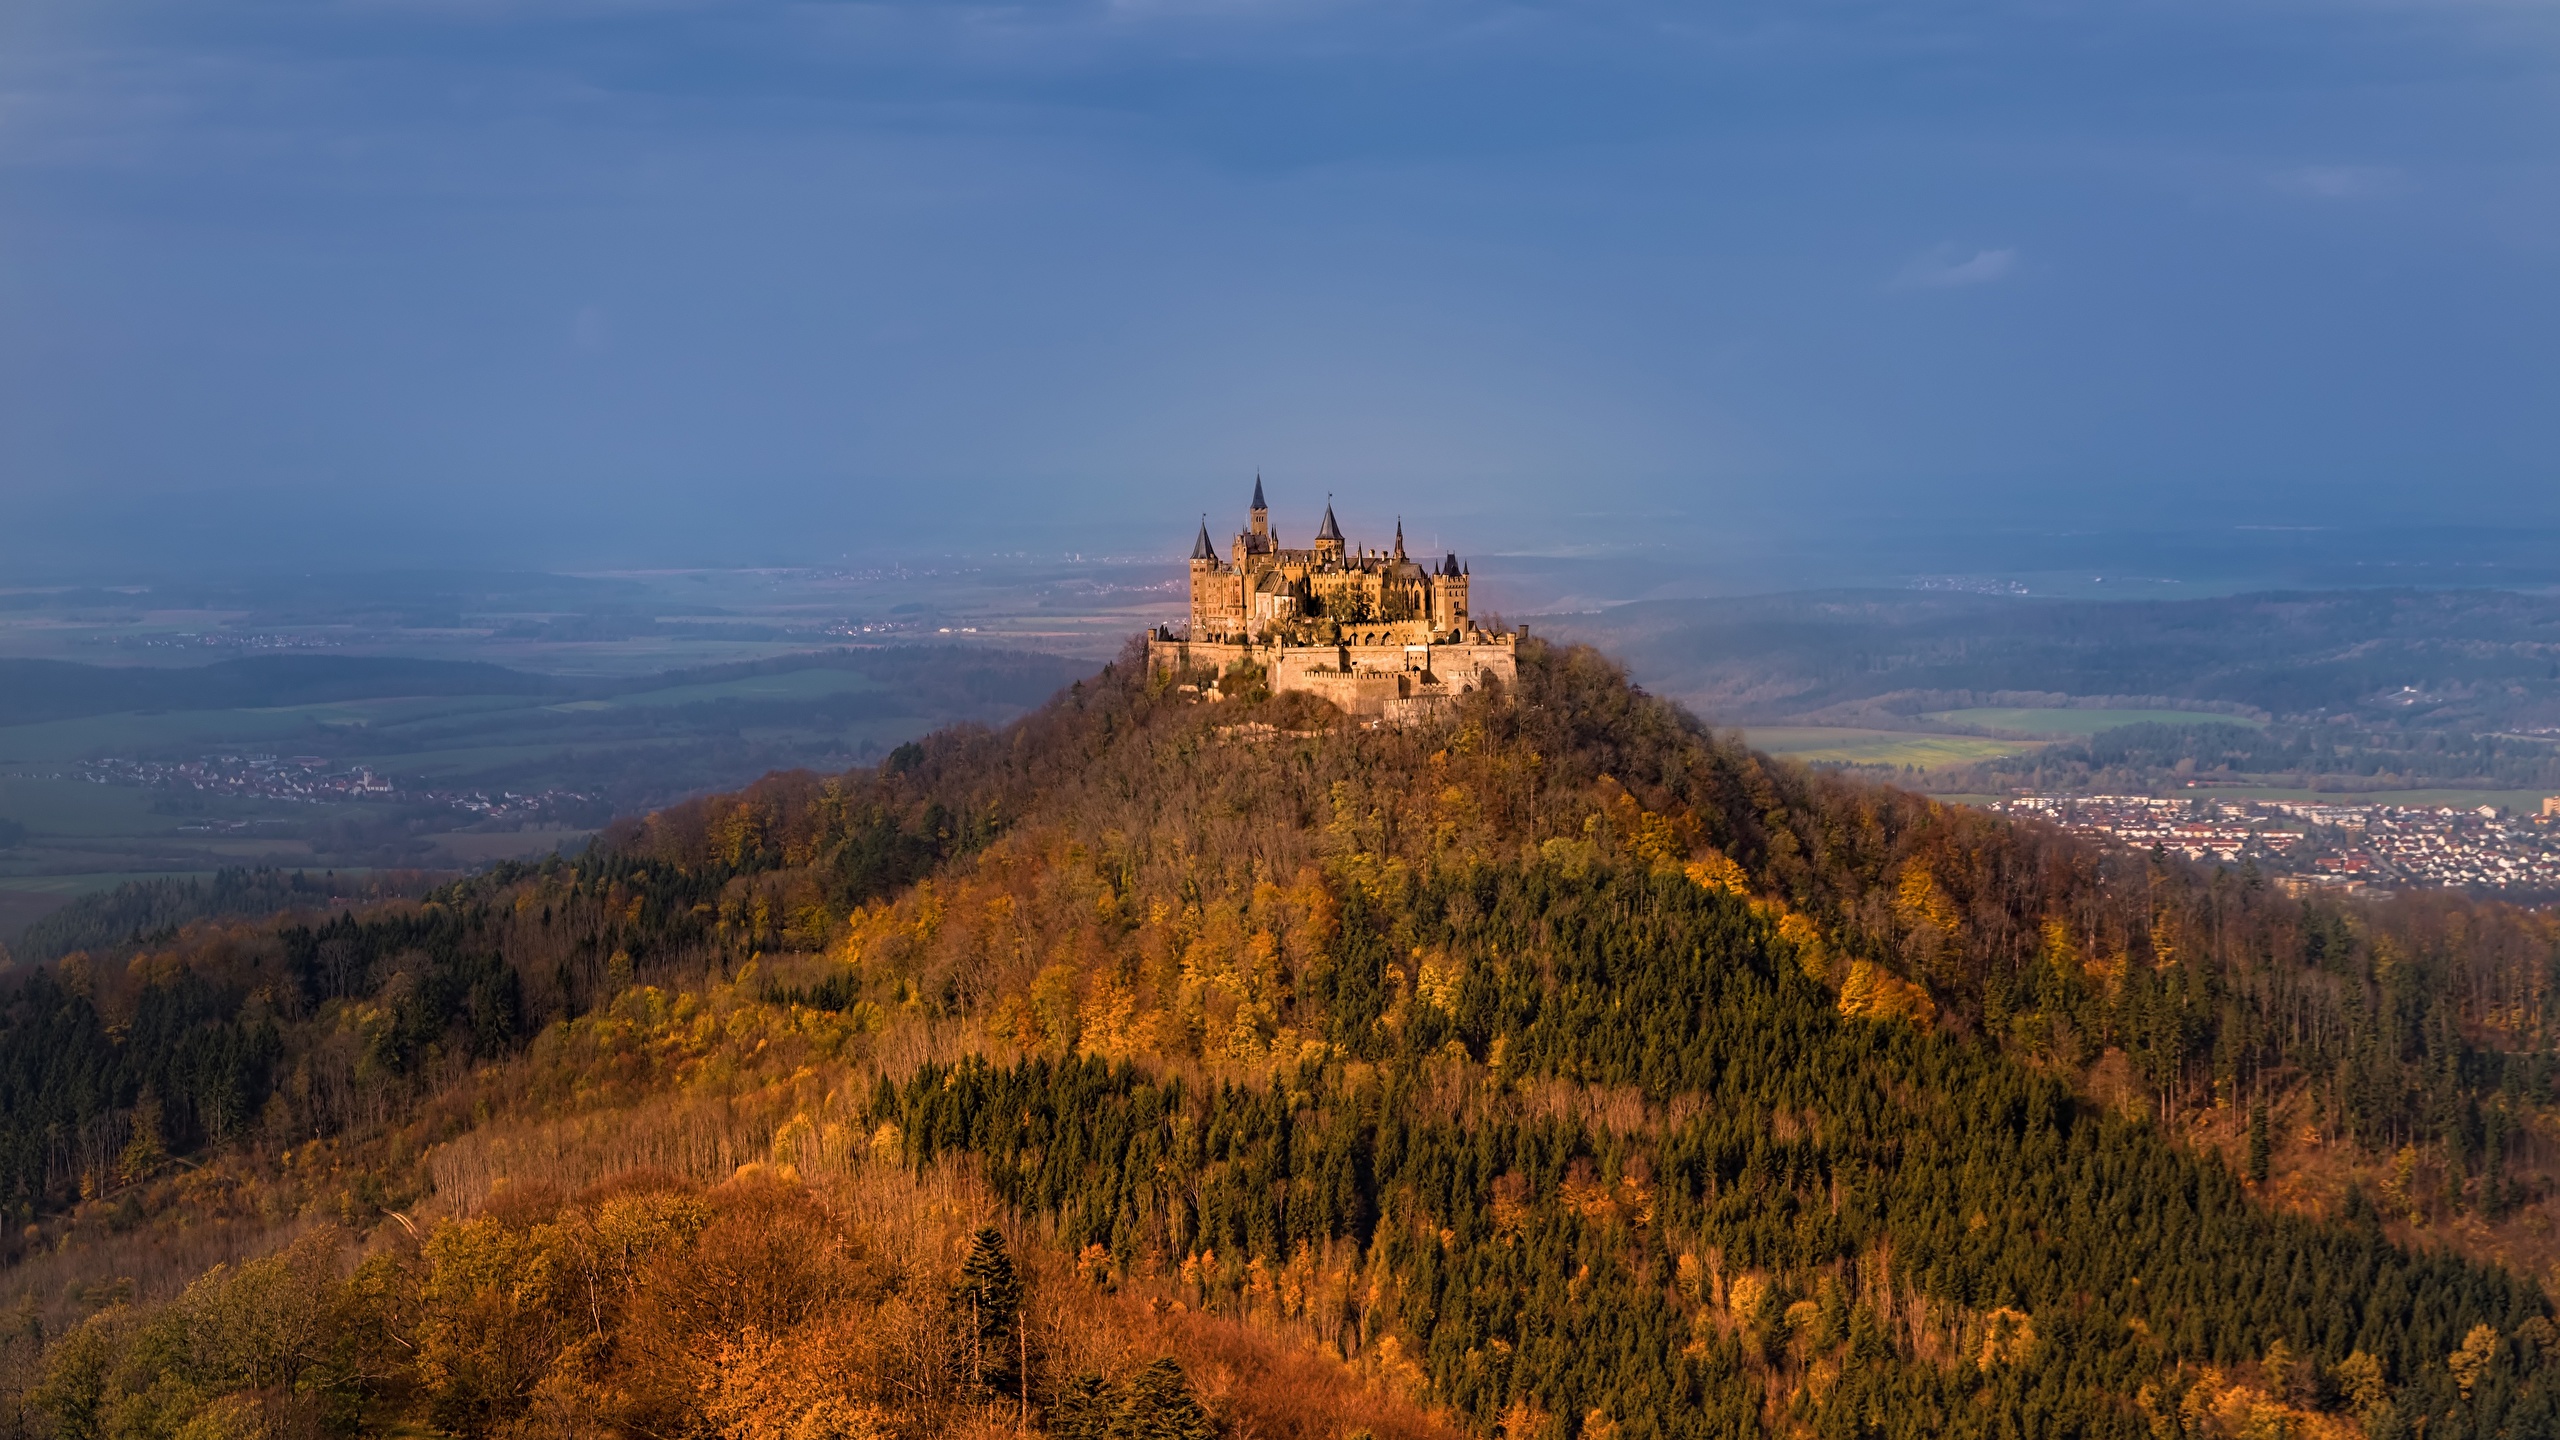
<point x="1261" y="515"/>
<point x="1329" y="536"/>
<point x="1216" y="595"/>
<point x="1448" y="595"/>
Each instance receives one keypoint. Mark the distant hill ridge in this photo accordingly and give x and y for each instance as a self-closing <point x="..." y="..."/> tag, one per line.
<point x="1834" y="653"/>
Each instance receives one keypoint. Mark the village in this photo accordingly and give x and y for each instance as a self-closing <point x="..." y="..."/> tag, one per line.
<point x="310" y="780"/>
<point x="2355" y="848"/>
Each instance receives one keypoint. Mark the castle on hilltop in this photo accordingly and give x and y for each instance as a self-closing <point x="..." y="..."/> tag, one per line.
<point x="1378" y="633"/>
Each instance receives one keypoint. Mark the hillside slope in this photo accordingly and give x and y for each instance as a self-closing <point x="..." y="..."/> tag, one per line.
<point x="1559" y="1071"/>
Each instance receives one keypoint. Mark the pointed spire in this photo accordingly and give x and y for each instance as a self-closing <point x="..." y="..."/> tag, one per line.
<point x="1330" y="530"/>
<point x="1257" y="492"/>
<point x="1399" y="537"/>
<point x="1201" y="549"/>
<point x="1450" y="568"/>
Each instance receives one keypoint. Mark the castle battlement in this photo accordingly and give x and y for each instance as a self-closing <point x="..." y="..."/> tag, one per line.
<point x="1378" y="633"/>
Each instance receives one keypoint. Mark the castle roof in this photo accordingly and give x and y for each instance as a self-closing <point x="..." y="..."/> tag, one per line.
<point x="1450" y="567"/>
<point x="1201" y="549"/>
<point x="1329" y="530"/>
<point x="1257" y="494"/>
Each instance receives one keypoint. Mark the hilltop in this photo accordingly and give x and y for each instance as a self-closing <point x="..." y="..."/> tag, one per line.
<point x="1560" y="1069"/>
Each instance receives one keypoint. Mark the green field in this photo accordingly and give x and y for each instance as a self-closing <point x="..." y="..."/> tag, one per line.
<point x="471" y="847"/>
<point x="810" y="684"/>
<point x="127" y="734"/>
<point x="339" y="730"/>
<point x="2079" y="724"/>
<point x="458" y="764"/>
<point x="76" y="809"/>
<point x="323" y="728"/>
<point x="1842" y="745"/>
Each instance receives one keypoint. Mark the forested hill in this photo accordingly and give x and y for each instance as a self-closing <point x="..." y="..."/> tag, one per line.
<point x="1560" y="1070"/>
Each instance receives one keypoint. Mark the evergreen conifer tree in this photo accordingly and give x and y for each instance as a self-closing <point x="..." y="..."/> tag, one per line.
<point x="2258" y="1143"/>
<point x="988" y="1302"/>
<point x="1157" y="1405"/>
<point x="1083" y="1409"/>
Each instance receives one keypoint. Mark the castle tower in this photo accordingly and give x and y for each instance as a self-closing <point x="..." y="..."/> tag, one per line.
<point x="1399" y="537"/>
<point x="1329" y="536"/>
<point x="1448" y="596"/>
<point x="1213" y="590"/>
<point x="1260" y="525"/>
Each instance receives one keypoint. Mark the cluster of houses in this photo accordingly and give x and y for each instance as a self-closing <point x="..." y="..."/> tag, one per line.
<point x="2323" y="845"/>
<point x="311" y="780"/>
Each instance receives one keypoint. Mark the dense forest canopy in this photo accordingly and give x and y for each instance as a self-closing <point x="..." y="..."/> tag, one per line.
<point x="142" y="912"/>
<point x="1558" y="1070"/>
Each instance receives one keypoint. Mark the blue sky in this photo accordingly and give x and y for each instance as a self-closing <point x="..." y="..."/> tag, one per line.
<point x="608" y="281"/>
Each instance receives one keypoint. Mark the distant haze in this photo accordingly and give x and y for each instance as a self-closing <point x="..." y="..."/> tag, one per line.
<point x="1785" y="288"/>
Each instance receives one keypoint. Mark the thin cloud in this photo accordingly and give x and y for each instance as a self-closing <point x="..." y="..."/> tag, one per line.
<point x="1950" y="268"/>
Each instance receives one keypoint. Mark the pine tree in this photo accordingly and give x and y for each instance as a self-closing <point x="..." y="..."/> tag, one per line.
<point x="988" y="1302"/>
<point x="1157" y="1405"/>
<point x="1083" y="1409"/>
<point x="2258" y="1143"/>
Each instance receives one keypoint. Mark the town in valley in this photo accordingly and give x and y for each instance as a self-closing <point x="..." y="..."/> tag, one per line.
<point x="2361" y="847"/>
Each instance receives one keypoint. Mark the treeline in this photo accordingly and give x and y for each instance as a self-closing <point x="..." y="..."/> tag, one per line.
<point x="140" y="912"/>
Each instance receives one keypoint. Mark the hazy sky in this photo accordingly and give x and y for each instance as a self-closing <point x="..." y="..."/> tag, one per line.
<point x="575" y="281"/>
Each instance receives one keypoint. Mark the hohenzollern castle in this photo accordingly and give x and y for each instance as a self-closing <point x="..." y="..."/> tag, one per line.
<point x="1378" y="633"/>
